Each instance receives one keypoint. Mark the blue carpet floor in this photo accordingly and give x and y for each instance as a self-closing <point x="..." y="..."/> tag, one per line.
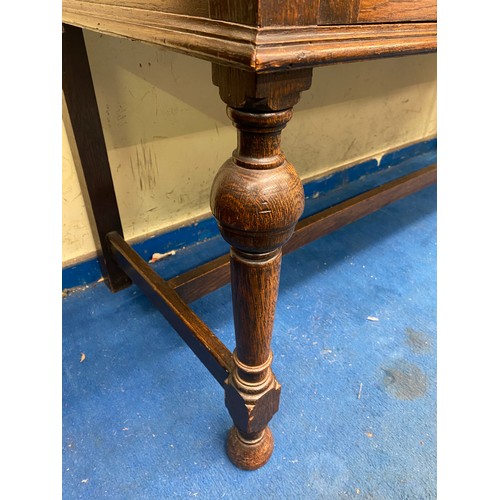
<point x="355" y="350"/>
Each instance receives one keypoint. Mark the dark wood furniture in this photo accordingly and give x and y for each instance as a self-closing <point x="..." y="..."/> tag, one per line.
<point x="263" y="53"/>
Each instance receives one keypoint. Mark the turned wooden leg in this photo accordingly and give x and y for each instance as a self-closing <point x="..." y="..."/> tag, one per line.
<point x="257" y="198"/>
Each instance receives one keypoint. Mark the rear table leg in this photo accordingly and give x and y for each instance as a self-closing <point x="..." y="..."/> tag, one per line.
<point x="81" y="118"/>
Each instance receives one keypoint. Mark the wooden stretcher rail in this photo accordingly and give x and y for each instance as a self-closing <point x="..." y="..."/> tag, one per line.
<point x="202" y="341"/>
<point x="207" y="278"/>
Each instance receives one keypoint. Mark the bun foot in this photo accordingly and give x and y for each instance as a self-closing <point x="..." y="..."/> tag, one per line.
<point x="250" y="454"/>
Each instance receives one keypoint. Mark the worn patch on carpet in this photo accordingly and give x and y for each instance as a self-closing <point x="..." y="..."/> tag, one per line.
<point x="404" y="380"/>
<point x="419" y="342"/>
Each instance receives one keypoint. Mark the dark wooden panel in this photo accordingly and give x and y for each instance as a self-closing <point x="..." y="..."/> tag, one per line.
<point x="386" y="11"/>
<point x="235" y="11"/>
<point x="288" y="12"/>
<point x="376" y="11"/>
<point x="261" y="13"/>
<point x="338" y="11"/>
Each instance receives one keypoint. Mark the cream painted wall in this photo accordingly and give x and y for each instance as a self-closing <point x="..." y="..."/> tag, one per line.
<point x="167" y="132"/>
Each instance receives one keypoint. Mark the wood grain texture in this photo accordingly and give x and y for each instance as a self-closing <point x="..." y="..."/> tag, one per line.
<point x="376" y="11"/>
<point x="386" y="11"/>
<point x="338" y="11"/>
<point x="235" y="11"/>
<point x="258" y="49"/>
<point x="254" y="285"/>
<point x="257" y="197"/>
<point x="86" y="139"/>
<point x="288" y="12"/>
<point x="260" y="13"/>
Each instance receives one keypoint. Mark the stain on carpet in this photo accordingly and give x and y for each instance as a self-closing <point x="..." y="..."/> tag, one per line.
<point x="419" y="342"/>
<point x="404" y="380"/>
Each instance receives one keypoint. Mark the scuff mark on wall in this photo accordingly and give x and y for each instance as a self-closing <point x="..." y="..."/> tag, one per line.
<point x="144" y="166"/>
<point x="346" y="154"/>
<point x="121" y="115"/>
